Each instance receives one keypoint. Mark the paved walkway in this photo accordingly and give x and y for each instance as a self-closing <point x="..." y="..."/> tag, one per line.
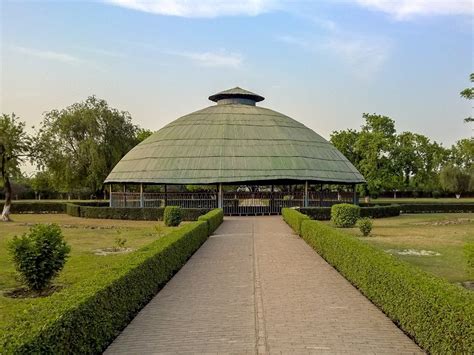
<point x="255" y="287"/>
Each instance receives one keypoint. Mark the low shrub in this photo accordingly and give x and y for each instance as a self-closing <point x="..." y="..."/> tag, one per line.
<point x="172" y="216"/>
<point x="73" y="210"/>
<point x="85" y="318"/>
<point x="437" y="314"/>
<point x="294" y="218"/>
<point x="365" y="226"/>
<point x="39" y="255"/>
<point x="213" y="219"/>
<point x="344" y="215"/>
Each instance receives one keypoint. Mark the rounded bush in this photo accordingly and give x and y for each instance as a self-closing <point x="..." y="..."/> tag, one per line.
<point x="39" y="255"/>
<point x="365" y="226"/>
<point x="172" y="216"/>
<point x="345" y="215"/>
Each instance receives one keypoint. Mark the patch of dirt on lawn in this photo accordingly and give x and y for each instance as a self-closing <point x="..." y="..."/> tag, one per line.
<point x="446" y="222"/>
<point x="111" y="251"/>
<point x="413" y="252"/>
<point x="468" y="284"/>
<point x="24" y="292"/>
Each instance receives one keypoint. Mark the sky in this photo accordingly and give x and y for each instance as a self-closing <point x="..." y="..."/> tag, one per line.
<point x="323" y="63"/>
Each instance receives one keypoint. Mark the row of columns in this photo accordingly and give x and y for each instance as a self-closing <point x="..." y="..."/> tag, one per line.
<point x="220" y="195"/>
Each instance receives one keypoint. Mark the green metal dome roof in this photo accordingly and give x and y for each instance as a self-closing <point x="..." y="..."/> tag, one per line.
<point x="234" y="141"/>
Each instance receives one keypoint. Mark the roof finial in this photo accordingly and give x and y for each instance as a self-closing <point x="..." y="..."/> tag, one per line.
<point x="236" y="96"/>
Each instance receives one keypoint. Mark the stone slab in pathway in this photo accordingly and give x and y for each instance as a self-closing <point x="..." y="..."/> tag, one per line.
<point x="255" y="287"/>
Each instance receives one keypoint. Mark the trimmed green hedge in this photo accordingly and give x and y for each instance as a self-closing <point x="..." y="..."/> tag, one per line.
<point x="85" y="318"/>
<point x="324" y="213"/>
<point x="437" y="314"/>
<point x="293" y="218"/>
<point x="436" y="207"/>
<point x="380" y="211"/>
<point x="37" y="207"/>
<point x="145" y="214"/>
<point x="48" y="207"/>
<point x="213" y="219"/>
<point x="427" y="207"/>
<point x="172" y="216"/>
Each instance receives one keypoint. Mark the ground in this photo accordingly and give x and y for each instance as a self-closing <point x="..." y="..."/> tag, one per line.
<point x="84" y="236"/>
<point x="255" y="287"/>
<point x="443" y="233"/>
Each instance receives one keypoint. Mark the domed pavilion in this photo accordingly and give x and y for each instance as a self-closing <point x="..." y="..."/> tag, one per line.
<point x="236" y="155"/>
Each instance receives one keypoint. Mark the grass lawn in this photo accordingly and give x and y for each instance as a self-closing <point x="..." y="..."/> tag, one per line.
<point x="443" y="233"/>
<point x="84" y="236"/>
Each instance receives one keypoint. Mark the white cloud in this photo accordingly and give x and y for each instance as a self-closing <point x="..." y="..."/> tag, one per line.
<point x="405" y="9"/>
<point x="364" y="55"/>
<point x="213" y="59"/>
<point x="48" y="55"/>
<point x="199" y="8"/>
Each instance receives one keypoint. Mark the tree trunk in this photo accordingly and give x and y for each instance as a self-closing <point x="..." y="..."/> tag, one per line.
<point x="8" y="200"/>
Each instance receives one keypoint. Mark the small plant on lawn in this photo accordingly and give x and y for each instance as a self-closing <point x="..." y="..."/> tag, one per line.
<point x="160" y="230"/>
<point x="365" y="226"/>
<point x="39" y="255"/>
<point x="172" y="216"/>
<point x="345" y="215"/>
<point x="120" y="243"/>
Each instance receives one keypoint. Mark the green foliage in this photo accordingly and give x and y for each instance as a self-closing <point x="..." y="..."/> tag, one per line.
<point x="79" y="145"/>
<point x="365" y="226"/>
<point x="468" y="94"/>
<point x="213" y="219"/>
<point x="145" y="214"/>
<point x="344" y="215"/>
<point x="438" y="315"/>
<point x="293" y="218"/>
<point x="454" y="179"/>
<point x="436" y="207"/>
<point x="39" y="255"/>
<point x="86" y="318"/>
<point x="172" y="216"/>
<point x="14" y="146"/>
<point x="120" y="243"/>
<point x="324" y="213"/>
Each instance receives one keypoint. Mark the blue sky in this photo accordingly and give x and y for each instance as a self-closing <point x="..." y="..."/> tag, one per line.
<point x="323" y="63"/>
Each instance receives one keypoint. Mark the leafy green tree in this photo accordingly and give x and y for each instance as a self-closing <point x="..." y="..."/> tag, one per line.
<point x="468" y="94"/>
<point x="14" y="148"/>
<point x="376" y="142"/>
<point x="462" y="153"/>
<point x="79" y="145"/>
<point x="42" y="183"/>
<point x="454" y="179"/>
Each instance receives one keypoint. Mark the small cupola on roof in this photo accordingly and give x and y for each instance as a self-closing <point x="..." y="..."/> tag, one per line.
<point x="236" y="96"/>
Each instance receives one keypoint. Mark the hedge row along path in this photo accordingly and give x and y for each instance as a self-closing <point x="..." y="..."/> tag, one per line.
<point x="255" y="287"/>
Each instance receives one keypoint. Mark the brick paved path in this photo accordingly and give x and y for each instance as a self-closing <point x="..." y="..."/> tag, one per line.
<point x="256" y="287"/>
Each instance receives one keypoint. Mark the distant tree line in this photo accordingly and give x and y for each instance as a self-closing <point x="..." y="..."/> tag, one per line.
<point x="408" y="163"/>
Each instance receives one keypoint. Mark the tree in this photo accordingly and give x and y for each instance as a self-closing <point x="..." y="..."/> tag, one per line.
<point x="468" y="94"/>
<point x="455" y="180"/>
<point x="79" y="145"/>
<point x="14" y="147"/>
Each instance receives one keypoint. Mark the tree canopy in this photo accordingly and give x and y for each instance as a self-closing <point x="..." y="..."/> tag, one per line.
<point x="79" y="145"/>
